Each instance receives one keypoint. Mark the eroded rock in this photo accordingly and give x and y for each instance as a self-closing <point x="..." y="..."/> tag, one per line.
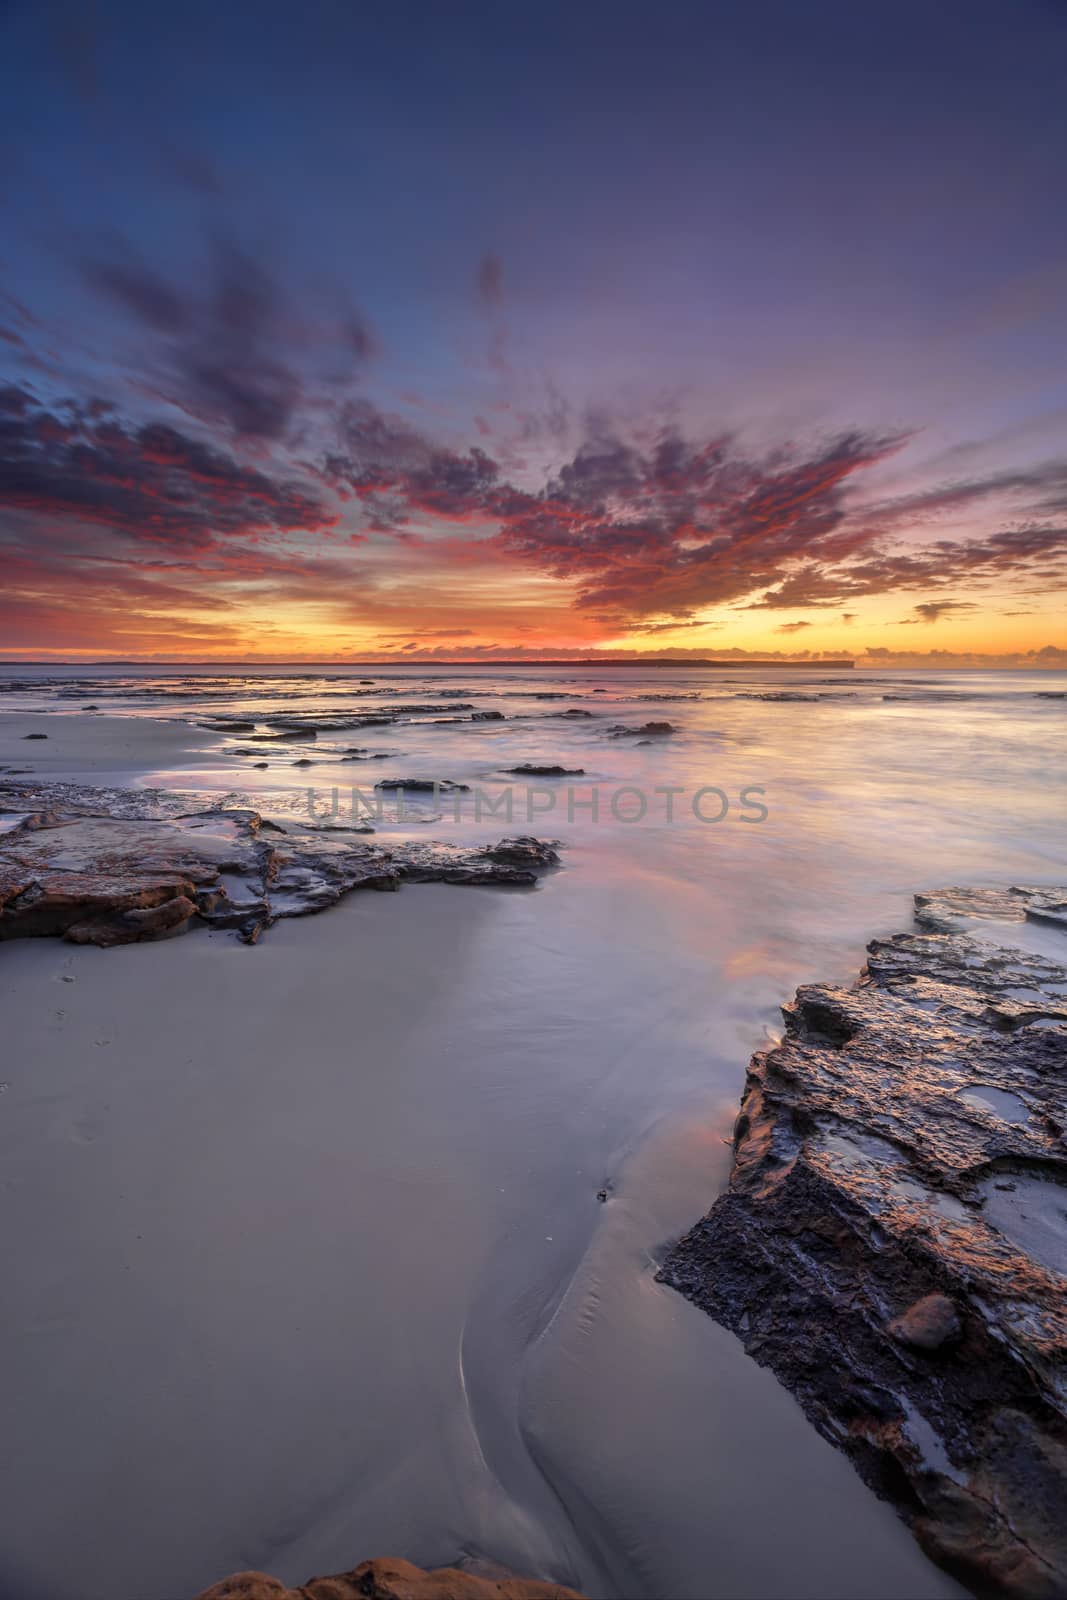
<point x="106" y="866"/>
<point x="893" y="1243"/>
<point x="389" y="1579"/>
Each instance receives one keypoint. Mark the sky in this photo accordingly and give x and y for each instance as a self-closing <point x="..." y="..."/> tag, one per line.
<point x="454" y="331"/>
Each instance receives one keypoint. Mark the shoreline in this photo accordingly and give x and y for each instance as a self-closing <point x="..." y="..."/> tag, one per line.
<point x="313" y="1260"/>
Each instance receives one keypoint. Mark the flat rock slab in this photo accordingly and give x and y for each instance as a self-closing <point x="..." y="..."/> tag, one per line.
<point x="389" y="1579"/>
<point x="111" y="866"/>
<point x="893" y="1243"/>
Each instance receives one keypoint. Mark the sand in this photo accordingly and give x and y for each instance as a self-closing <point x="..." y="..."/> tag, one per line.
<point x="305" y="1263"/>
<point x="99" y="748"/>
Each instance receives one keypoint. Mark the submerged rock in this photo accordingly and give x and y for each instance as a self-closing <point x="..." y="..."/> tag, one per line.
<point x="893" y="1243"/>
<point x="649" y="730"/>
<point x="781" y="694"/>
<point x="530" y="769"/>
<point x="107" y="866"/>
<point x="424" y="785"/>
<point x="949" y="910"/>
<point x="389" y="1579"/>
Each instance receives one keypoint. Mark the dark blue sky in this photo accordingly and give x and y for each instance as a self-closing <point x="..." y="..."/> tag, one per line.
<point x="537" y="230"/>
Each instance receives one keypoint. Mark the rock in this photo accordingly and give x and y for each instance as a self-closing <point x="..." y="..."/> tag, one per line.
<point x="112" y="866"/>
<point x="487" y="716"/>
<point x="782" y="694"/>
<point x="35" y="736"/>
<point x="947" y="910"/>
<point x="524" y="851"/>
<point x="125" y="926"/>
<point x="928" y="1324"/>
<point x="650" y="730"/>
<point x="529" y="769"/>
<point x="893" y="1243"/>
<point x="422" y="710"/>
<point x="423" y="785"/>
<point x="390" y="1579"/>
<point x="518" y="861"/>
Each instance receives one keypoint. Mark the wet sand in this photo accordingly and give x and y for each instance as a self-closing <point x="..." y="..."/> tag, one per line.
<point x="99" y="748"/>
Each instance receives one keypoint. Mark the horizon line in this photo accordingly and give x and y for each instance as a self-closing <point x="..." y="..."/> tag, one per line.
<point x="326" y="661"/>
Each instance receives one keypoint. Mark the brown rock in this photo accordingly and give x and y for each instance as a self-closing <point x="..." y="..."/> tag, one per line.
<point x="897" y="1149"/>
<point x="928" y="1324"/>
<point x="389" y="1579"/>
<point x="110" y="866"/>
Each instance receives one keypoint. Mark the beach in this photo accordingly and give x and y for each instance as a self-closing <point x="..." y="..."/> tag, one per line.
<point x="345" y="1244"/>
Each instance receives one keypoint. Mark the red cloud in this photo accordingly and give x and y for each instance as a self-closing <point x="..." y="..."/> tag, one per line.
<point x="152" y="482"/>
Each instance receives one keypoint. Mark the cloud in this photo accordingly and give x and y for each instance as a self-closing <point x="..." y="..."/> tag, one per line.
<point x="153" y="482"/>
<point x="1036" y="552"/>
<point x="395" y="470"/>
<point x="1049" y="656"/>
<point x="143" y="292"/>
<point x="631" y="530"/>
<point x="675" y="527"/>
<point x="1044" y="486"/>
<point x="636" y="532"/>
<point x="490" y="281"/>
<point x="933" y="610"/>
<point x="669" y="627"/>
<point x="390" y="641"/>
<point x="236" y="350"/>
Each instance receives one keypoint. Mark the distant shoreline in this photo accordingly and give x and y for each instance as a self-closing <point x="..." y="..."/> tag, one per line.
<point x="594" y="661"/>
